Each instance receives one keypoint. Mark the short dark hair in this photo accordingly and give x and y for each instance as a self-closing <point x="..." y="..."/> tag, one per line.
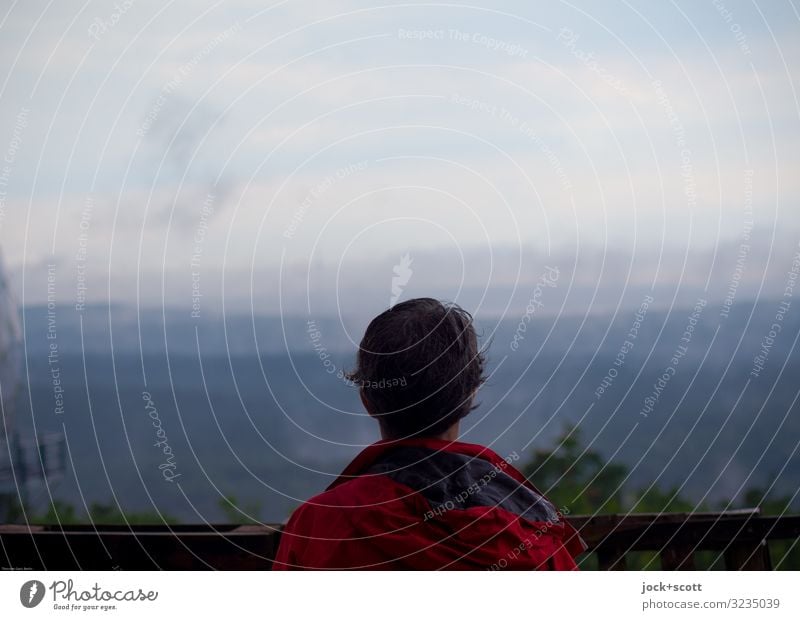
<point x="418" y="367"/>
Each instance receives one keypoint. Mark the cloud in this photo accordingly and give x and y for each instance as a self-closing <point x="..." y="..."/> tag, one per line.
<point x="570" y="142"/>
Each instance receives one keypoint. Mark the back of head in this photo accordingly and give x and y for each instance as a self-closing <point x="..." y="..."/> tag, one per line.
<point x="419" y="366"/>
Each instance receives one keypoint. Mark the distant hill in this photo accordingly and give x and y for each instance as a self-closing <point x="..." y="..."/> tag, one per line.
<point x="247" y="418"/>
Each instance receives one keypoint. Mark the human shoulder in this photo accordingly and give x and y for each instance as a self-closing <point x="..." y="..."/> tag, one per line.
<point x="346" y="503"/>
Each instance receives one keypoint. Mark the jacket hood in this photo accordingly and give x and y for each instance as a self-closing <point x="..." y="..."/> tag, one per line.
<point x="463" y="505"/>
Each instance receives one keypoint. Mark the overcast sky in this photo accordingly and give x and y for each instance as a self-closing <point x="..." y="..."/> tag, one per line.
<point x="149" y="141"/>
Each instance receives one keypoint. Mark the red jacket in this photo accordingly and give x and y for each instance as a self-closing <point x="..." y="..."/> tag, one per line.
<point x="425" y="504"/>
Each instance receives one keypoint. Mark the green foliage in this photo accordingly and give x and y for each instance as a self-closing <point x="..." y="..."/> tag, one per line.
<point x="108" y="514"/>
<point x="58" y="512"/>
<point x="579" y="480"/>
<point x="234" y="513"/>
<point x="63" y="513"/>
<point x="785" y="554"/>
<point x="11" y="510"/>
<point x="770" y="505"/>
<point x="653" y="499"/>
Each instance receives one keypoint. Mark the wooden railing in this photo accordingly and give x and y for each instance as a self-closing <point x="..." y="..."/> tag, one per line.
<point x="740" y="536"/>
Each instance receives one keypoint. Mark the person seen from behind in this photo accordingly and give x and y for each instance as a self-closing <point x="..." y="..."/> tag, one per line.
<point x="419" y="499"/>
